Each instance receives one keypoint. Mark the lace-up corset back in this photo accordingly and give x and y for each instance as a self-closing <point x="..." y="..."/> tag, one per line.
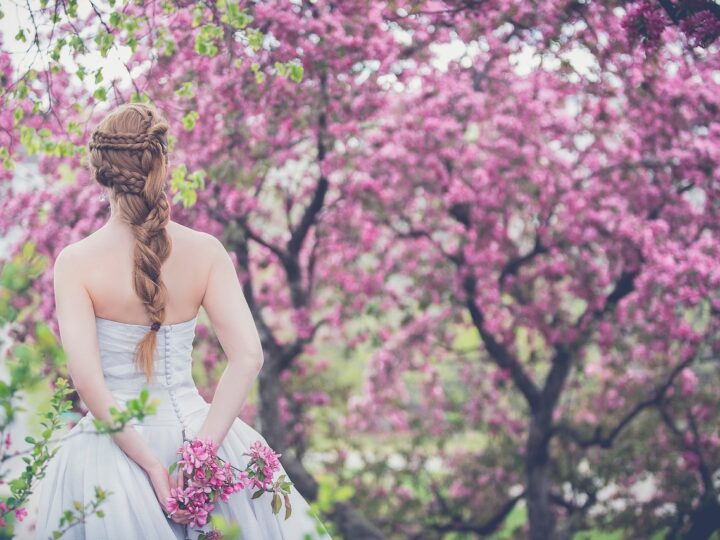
<point x="172" y="380"/>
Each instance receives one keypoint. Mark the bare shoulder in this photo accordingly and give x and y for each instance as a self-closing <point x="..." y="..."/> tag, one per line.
<point x="67" y="255"/>
<point x="69" y="269"/>
<point x="71" y="256"/>
<point x="200" y="243"/>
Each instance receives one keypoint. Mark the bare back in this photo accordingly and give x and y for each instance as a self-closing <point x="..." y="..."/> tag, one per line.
<point x="105" y="259"/>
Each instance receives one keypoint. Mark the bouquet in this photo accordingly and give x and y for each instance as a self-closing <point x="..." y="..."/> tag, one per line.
<point x="207" y="478"/>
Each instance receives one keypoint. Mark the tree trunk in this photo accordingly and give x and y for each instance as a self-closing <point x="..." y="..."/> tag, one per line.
<point x="269" y="395"/>
<point x="537" y="470"/>
<point x="350" y="523"/>
<point x="705" y="520"/>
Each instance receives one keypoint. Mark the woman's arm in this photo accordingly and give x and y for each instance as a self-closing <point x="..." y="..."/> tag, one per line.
<point x="76" y="319"/>
<point x="235" y="328"/>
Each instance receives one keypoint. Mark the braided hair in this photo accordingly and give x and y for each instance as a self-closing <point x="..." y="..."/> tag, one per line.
<point x="129" y="155"/>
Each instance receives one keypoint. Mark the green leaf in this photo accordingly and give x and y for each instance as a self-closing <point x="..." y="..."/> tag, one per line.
<point x="197" y="15"/>
<point x="255" y="39"/>
<point x="276" y="503"/>
<point x="288" y="506"/>
<point x="344" y="493"/>
<point x="205" y="39"/>
<point x="178" y="176"/>
<point x="296" y="72"/>
<point x="185" y="90"/>
<point x="190" y="119"/>
<point x="105" y="41"/>
<point x="22" y="90"/>
<point x="188" y="198"/>
<point x="234" y="16"/>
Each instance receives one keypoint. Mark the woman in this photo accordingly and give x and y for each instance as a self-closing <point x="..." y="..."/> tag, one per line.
<point x="127" y="299"/>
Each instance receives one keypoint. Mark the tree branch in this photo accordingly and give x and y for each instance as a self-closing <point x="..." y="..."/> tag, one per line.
<point x="498" y="352"/>
<point x="458" y="524"/>
<point x="598" y="439"/>
<point x="298" y="235"/>
<point x="513" y="265"/>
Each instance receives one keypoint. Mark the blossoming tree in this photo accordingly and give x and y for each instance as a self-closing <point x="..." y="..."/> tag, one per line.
<point x="559" y="217"/>
<point x="539" y="210"/>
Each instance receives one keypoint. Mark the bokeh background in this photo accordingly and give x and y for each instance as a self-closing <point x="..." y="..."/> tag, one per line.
<point x="479" y="239"/>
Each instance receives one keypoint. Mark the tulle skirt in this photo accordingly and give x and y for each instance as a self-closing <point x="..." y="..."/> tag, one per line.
<point x="131" y="510"/>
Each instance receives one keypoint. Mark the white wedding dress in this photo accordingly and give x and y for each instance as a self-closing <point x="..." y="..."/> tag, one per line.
<point x="131" y="510"/>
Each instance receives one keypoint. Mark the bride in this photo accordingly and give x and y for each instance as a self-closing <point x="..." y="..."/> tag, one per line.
<point x="127" y="300"/>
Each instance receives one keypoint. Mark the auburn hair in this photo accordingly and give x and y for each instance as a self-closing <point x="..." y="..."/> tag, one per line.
<point x="128" y="153"/>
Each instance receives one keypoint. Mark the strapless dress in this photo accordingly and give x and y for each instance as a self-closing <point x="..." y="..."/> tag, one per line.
<point x="86" y="459"/>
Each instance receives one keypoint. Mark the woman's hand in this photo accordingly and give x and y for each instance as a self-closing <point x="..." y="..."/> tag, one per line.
<point x="162" y="482"/>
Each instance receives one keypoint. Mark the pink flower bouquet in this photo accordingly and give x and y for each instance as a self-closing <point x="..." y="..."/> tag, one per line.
<point x="207" y="478"/>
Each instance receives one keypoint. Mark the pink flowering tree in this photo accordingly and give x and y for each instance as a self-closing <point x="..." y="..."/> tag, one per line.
<point x="536" y="246"/>
<point x="257" y="146"/>
<point x="559" y="220"/>
<point x="699" y="20"/>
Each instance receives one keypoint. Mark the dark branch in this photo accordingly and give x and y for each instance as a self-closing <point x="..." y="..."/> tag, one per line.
<point x="252" y="235"/>
<point x="513" y="265"/>
<point x="598" y="439"/>
<point x="458" y="524"/>
<point x="498" y="352"/>
<point x="310" y="215"/>
<point x="290" y="351"/>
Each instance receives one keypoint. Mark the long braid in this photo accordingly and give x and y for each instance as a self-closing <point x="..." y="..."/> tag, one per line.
<point x="128" y="153"/>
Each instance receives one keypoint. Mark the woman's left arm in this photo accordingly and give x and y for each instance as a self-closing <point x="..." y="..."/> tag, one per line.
<point x="76" y="320"/>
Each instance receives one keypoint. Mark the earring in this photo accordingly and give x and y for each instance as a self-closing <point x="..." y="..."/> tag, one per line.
<point x="102" y="195"/>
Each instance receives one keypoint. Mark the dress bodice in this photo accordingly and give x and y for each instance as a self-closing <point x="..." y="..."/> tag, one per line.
<point x="172" y="382"/>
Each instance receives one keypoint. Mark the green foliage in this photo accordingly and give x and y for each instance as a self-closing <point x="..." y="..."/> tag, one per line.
<point x="185" y="186"/>
<point x="113" y="28"/>
<point x="259" y="75"/>
<point x="137" y="408"/>
<point x="190" y="119"/>
<point x="105" y="41"/>
<point x="292" y="69"/>
<point x="186" y="90"/>
<point x="255" y="39"/>
<point x="40" y="142"/>
<point x="165" y="43"/>
<point x="511" y="527"/>
<point x="139" y="98"/>
<point x="205" y="41"/>
<point x="79" y="513"/>
<point x="233" y="15"/>
<point x="38" y="456"/>
<point x="229" y="531"/>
